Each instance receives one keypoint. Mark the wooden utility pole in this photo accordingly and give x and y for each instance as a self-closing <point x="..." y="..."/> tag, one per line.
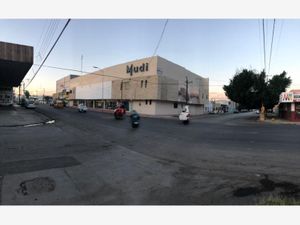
<point x="187" y="90"/>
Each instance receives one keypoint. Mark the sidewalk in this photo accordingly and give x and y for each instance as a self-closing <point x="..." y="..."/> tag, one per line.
<point x="18" y="116"/>
<point x="279" y="121"/>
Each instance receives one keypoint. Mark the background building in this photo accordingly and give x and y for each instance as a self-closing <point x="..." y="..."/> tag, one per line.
<point x="153" y="86"/>
<point x="289" y="105"/>
<point x="15" y="61"/>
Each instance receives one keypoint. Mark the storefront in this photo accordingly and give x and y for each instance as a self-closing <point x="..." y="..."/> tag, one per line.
<point x="289" y="107"/>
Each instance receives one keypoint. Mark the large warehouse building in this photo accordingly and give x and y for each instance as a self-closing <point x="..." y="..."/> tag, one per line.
<point x="152" y="86"/>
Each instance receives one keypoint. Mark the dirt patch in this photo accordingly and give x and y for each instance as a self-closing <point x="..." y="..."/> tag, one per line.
<point x="36" y="186"/>
<point x="285" y="189"/>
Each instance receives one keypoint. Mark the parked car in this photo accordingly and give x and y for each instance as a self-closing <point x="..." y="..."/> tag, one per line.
<point x="82" y="108"/>
<point x="30" y="104"/>
<point x="257" y="111"/>
<point x="58" y="104"/>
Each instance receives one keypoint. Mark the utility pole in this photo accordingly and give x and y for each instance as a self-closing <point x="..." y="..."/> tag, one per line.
<point x="121" y="90"/>
<point x="187" y="90"/>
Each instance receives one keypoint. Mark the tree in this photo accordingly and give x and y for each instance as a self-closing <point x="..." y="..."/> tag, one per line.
<point x="27" y="94"/>
<point x="276" y="85"/>
<point x="251" y="89"/>
<point x="241" y="88"/>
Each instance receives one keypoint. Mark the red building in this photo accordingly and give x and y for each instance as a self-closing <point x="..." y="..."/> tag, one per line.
<point x="289" y="105"/>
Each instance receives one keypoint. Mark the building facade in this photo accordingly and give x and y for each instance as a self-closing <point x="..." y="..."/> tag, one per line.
<point x="289" y="105"/>
<point x="151" y="86"/>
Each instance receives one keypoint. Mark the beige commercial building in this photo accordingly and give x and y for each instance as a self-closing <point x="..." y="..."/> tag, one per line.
<point x="152" y="86"/>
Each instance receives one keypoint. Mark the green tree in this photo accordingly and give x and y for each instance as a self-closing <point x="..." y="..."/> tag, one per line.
<point x="276" y="85"/>
<point x="251" y="89"/>
<point x="241" y="88"/>
<point x="27" y="94"/>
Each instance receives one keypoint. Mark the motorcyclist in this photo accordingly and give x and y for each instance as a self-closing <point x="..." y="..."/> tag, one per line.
<point x="135" y="118"/>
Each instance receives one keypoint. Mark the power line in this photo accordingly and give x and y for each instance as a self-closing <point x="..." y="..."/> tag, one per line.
<point x="260" y="44"/>
<point x="159" y="41"/>
<point x="113" y="76"/>
<point x="161" y="36"/>
<point x="51" y="35"/>
<point x="49" y="52"/>
<point x="264" y="43"/>
<point x="271" y="45"/>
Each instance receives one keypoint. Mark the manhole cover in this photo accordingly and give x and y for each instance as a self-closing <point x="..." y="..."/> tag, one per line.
<point x="37" y="185"/>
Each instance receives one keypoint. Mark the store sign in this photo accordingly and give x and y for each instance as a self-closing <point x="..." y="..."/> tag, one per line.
<point x="296" y="97"/>
<point x="287" y="97"/>
<point x="135" y="69"/>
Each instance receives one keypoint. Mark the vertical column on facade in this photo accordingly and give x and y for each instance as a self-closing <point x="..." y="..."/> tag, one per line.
<point x="293" y="112"/>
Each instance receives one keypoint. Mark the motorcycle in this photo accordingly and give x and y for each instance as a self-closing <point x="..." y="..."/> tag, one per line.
<point x="184" y="116"/>
<point x="119" y="112"/>
<point x="135" y="119"/>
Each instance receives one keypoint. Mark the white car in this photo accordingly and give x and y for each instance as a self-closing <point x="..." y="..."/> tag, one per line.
<point x="184" y="116"/>
<point x="30" y="104"/>
<point x="82" y="108"/>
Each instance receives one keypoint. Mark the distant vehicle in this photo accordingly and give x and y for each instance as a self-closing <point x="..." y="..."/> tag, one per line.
<point x="51" y="103"/>
<point x="30" y="104"/>
<point x="82" y="108"/>
<point x="58" y="104"/>
<point x="119" y="112"/>
<point x="257" y="111"/>
<point x="235" y="111"/>
<point x="184" y="116"/>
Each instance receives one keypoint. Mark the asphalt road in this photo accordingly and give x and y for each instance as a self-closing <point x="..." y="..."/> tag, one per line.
<point x="95" y="159"/>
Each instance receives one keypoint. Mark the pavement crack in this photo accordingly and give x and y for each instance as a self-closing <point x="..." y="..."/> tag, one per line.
<point x="69" y="176"/>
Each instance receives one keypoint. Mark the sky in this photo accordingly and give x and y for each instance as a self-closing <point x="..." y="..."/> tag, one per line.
<point x="213" y="48"/>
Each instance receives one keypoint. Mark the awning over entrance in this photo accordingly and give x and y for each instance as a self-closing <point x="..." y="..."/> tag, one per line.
<point x="15" y="61"/>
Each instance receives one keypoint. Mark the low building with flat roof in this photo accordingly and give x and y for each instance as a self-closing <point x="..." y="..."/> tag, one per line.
<point x="289" y="105"/>
<point x="152" y="86"/>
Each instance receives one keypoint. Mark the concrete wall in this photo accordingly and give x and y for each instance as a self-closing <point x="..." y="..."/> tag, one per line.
<point x="136" y="88"/>
<point x="16" y="52"/>
<point x="143" y="108"/>
<point x="167" y="108"/>
<point x="171" y="72"/>
<point x="94" y="91"/>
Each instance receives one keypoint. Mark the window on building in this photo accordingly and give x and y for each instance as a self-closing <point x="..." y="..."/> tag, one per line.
<point x="142" y="82"/>
<point x="146" y="102"/>
<point x="175" y="105"/>
<point x="140" y="104"/>
<point x="202" y="96"/>
<point x="150" y="102"/>
<point x="146" y="83"/>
